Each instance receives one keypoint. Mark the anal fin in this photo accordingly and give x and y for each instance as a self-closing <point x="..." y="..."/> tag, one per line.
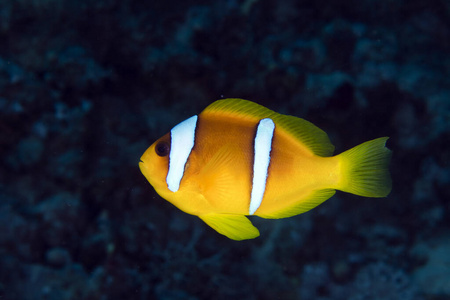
<point x="301" y="206"/>
<point x="235" y="227"/>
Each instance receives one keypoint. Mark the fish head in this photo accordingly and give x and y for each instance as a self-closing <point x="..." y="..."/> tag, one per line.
<point x="154" y="164"/>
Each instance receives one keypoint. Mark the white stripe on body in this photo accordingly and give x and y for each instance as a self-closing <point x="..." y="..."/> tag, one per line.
<point x="182" y="138"/>
<point x="261" y="161"/>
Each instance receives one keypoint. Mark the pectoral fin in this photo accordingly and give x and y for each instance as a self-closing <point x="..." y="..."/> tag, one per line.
<point x="235" y="227"/>
<point x="215" y="179"/>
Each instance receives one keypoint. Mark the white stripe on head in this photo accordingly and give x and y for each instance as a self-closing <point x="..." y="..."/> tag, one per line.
<point x="261" y="161"/>
<point x="182" y="139"/>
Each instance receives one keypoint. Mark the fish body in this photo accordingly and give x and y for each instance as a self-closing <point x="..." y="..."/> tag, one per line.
<point x="238" y="158"/>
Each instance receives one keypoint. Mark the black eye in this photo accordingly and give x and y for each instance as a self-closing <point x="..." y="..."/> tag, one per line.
<point x="162" y="149"/>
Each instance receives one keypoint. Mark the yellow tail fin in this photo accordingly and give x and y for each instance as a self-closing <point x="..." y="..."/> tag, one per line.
<point x="364" y="169"/>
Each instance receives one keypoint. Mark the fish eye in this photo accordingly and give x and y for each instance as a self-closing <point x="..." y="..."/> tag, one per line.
<point x="162" y="149"/>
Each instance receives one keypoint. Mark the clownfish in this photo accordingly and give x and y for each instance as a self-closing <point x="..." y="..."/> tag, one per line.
<point x="238" y="159"/>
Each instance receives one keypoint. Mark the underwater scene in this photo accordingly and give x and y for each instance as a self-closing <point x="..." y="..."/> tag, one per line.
<point x="122" y="176"/>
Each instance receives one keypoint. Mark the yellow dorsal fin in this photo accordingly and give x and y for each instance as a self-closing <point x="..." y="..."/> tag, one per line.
<point x="235" y="227"/>
<point x="314" y="139"/>
<point x="299" y="207"/>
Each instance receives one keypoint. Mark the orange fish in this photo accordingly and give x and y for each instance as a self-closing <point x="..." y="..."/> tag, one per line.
<point x="238" y="158"/>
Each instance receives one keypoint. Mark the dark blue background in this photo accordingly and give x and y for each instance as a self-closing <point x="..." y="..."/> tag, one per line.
<point x="87" y="86"/>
